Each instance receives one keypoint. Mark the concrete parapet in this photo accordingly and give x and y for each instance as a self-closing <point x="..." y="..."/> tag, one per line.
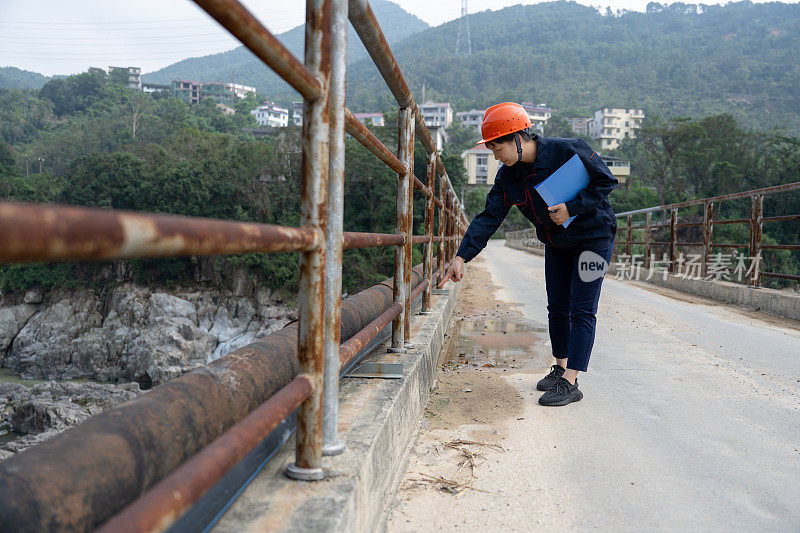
<point x="377" y="419"/>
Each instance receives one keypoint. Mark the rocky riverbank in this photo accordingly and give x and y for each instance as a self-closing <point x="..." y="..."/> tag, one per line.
<point x="128" y="337"/>
<point x="130" y="333"/>
<point x="44" y="410"/>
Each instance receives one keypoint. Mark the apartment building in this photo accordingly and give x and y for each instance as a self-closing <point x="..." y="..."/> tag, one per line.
<point x="480" y="164"/>
<point x="437" y="114"/>
<point x="471" y="118"/>
<point x="134" y="76"/>
<point x="370" y="119"/>
<point x="296" y="116"/>
<point x="621" y="168"/>
<point x="192" y="92"/>
<point x="610" y="125"/>
<point x="578" y="124"/>
<point x="271" y="114"/>
<point x="538" y="113"/>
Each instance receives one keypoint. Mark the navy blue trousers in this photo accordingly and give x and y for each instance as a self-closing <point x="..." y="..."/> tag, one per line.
<point x="572" y="303"/>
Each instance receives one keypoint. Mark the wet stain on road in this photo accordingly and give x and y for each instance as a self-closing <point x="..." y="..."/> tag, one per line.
<point x="498" y="342"/>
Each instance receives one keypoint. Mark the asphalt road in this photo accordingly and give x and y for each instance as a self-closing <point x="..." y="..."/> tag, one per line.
<point x="690" y="420"/>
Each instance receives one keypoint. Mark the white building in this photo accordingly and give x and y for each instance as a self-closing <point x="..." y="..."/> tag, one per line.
<point x="539" y="114"/>
<point x="134" y="76"/>
<point x="240" y="92"/>
<point x="271" y="115"/>
<point x="610" y="125"/>
<point x="471" y="119"/>
<point x="436" y="114"/>
<point x="154" y="87"/>
<point x="297" y="113"/>
<point x="370" y="119"/>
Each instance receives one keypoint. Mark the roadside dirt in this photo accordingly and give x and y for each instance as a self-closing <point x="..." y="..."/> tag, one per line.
<point x="488" y="348"/>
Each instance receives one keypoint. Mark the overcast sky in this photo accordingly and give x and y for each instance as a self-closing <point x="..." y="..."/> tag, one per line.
<point x="69" y="36"/>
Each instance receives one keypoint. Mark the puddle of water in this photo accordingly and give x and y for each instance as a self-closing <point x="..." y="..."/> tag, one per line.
<point x="7" y="376"/>
<point x="8" y="436"/>
<point x="498" y="343"/>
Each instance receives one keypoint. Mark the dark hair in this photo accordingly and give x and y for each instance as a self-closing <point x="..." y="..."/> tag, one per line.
<point x="509" y="138"/>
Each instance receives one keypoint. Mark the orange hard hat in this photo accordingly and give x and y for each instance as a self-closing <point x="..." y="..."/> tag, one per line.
<point x="502" y="119"/>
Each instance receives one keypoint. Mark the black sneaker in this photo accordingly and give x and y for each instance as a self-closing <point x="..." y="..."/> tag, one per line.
<point x="547" y="382"/>
<point x="562" y="393"/>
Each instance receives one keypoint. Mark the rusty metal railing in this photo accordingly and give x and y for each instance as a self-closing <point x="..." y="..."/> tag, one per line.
<point x="710" y="208"/>
<point x="47" y="233"/>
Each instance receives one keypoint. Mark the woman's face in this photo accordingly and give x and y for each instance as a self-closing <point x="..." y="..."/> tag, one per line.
<point x="506" y="152"/>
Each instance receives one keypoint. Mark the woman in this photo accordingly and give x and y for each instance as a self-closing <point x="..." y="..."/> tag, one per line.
<point x="572" y="295"/>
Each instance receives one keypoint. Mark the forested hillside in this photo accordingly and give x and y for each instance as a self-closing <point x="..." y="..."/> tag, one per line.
<point x="14" y="78"/>
<point x="677" y="60"/>
<point x="88" y="140"/>
<point x="249" y="70"/>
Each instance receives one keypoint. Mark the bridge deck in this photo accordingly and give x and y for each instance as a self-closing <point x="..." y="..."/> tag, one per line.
<point x="690" y="419"/>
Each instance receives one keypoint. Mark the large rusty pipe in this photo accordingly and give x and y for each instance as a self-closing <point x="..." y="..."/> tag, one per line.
<point x="368" y="139"/>
<point x="163" y="505"/>
<point x="357" y="342"/>
<point x="361" y="338"/>
<point x="235" y="18"/>
<point x="115" y="456"/>
<point x="31" y="232"/>
<point x="313" y="207"/>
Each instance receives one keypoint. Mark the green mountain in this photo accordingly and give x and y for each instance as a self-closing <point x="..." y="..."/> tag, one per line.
<point x="676" y="60"/>
<point x="14" y="78"/>
<point x="249" y="70"/>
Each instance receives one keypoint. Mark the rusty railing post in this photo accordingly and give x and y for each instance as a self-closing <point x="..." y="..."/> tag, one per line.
<point x="673" y="238"/>
<point x="331" y="444"/>
<point x="440" y="259"/>
<point x="313" y="204"/>
<point x="708" y="229"/>
<point x="405" y="152"/>
<point x="756" y="235"/>
<point x="409" y="163"/>
<point x="648" y="238"/>
<point x="429" y="213"/>
<point x="628" y="236"/>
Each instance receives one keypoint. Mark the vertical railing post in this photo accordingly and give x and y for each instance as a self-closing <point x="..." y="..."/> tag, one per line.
<point x="409" y="162"/>
<point x="400" y="292"/>
<point x="756" y="235"/>
<point x="628" y="236"/>
<point x="331" y="444"/>
<point x="429" y="212"/>
<point x="673" y="239"/>
<point x="708" y="229"/>
<point x="313" y="204"/>
<point x="648" y="238"/>
<point x="451" y="219"/>
<point x="441" y="262"/>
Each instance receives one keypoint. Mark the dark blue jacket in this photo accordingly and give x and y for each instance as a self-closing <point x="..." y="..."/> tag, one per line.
<point x="595" y="224"/>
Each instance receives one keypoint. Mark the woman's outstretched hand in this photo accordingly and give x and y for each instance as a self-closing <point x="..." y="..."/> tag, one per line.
<point x="454" y="272"/>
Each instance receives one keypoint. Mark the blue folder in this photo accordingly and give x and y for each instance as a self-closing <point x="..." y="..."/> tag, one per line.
<point x="564" y="184"/>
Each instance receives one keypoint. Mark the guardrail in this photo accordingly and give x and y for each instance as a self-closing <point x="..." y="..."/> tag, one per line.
<point x="755" y="223"/>
<point x="48" y="233"/>
<point x="710" y="209"/>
